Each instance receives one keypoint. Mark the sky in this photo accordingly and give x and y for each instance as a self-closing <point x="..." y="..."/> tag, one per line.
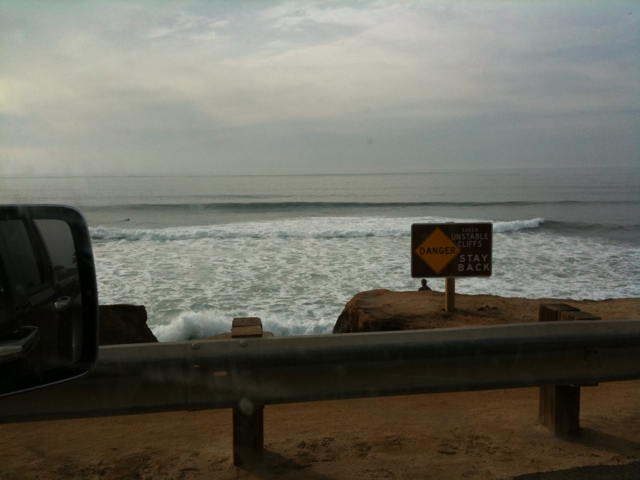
<point x="227" y="88"/>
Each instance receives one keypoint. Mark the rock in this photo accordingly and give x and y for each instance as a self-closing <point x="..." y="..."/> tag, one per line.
<point x="122" y="324"/>
<point x="363" y="314"/>
<point x="384" y="310"/>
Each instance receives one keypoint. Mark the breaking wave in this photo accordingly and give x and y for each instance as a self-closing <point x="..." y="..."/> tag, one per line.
<point x="317" y="228"/>
<point x="189" y="325"/>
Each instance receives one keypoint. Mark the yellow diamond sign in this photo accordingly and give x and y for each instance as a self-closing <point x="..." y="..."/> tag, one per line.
<point x="437" y="250"/>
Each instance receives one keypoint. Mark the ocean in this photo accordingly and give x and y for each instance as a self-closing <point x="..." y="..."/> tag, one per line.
<point x="292" y="250"/>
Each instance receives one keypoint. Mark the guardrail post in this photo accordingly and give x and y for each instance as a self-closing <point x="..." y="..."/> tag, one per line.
<point x="559" y="405"/>
<point x="248" y="419"/>
<point x="248" y="435"/>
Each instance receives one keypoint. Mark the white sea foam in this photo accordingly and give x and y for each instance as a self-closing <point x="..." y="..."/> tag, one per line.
<point x="298" y="285"/>
<point x="502" y="227"/>
<point x="308" y="227"/>
<point x="190" y="325"/>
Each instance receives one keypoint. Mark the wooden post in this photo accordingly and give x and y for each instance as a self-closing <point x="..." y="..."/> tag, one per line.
<point x="248" y="435"/>
<point x="551" y="312"/>
<point x="246" y="327"/>
<point x="559" y="405"/>
<point x="450" y="294"/>
<point x="560" y="409"/>
<point x="248" y="419"/>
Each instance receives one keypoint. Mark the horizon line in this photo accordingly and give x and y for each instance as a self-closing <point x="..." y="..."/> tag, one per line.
<point x="451" y="170"/>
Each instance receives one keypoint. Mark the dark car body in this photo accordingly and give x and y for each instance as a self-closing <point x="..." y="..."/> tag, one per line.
<point x="40" y="292"/>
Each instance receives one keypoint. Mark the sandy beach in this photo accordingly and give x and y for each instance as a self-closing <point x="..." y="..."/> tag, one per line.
<point x="474" y="435"/>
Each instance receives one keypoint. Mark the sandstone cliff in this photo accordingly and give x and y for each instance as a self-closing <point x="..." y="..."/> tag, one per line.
<point x="384" y="310"/>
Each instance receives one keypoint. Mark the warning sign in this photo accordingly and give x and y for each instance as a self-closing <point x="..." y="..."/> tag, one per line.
<point x="437" y="250"/>
<point x="451" y="249"/>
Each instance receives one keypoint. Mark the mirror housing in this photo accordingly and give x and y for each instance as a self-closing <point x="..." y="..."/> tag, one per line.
<point x="48" y="297"/>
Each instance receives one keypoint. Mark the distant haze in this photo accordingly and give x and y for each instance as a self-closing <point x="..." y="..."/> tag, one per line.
<point x="201" y="88"/>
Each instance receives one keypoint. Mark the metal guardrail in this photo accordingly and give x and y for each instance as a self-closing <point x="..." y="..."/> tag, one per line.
<point x="209" y="374"/>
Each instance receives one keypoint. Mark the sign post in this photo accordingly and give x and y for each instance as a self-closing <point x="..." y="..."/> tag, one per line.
<point x="449" y="294"/>
<point x="450" y="250"/>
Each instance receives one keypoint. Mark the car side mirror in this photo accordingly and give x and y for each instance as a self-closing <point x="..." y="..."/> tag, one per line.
<point x="48" y="297"/>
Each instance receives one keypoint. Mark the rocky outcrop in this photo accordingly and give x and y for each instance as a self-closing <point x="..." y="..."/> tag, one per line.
<point x="122" y="324"/>
<point x="383" y="310"/>
<point x="364" y="313"/>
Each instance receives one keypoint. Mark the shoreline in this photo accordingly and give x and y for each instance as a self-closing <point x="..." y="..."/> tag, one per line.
<point x="385" y="310"/>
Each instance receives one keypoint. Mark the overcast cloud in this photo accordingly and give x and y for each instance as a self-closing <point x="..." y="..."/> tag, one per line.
<point x="127" y="88"/>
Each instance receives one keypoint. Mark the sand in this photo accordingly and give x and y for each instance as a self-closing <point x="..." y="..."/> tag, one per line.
<point x="474" y="435"/>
